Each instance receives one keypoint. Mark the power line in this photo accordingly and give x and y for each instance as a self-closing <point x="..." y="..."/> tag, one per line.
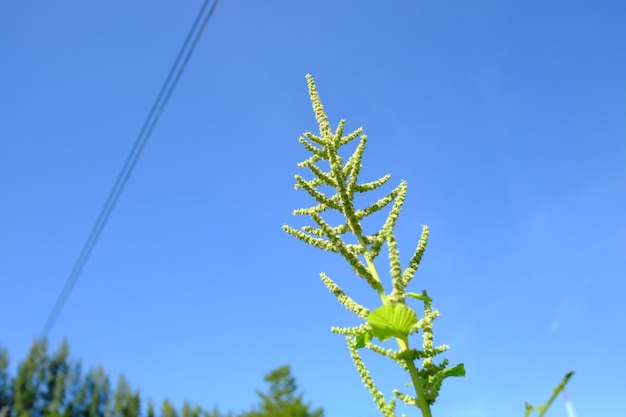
<point x="163" y="97"/>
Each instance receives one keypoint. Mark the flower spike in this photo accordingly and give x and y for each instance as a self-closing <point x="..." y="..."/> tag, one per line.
<point x="394" y="318"/>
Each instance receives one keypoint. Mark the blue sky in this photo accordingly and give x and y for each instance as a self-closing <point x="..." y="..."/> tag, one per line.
<point x="505" y="118"/>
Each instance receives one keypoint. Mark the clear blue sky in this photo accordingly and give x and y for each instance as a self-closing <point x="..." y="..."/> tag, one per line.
<point x="506" y="118"/>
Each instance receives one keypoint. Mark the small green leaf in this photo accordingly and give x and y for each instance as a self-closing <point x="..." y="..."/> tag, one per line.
<point x="422" y="297"/>
<point x="456" y="370"/>
<point x="362" y="339"/>
<point x="391" y="320"/>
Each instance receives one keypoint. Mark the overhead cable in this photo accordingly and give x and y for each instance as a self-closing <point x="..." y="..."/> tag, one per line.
<point x="160" y="102"/>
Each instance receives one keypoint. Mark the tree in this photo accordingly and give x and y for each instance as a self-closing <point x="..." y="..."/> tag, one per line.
<point x="281" y="401"/>
<point x="167" y="409"/>
<point x="6" y="394"/>
<point x="55" y="386"/>
<point x="125" y="402"/>
<point x="29" y="382"/>
<point x="151" y="409"/>
<point x="56" y="372"/>
<point x="91" y="393"/>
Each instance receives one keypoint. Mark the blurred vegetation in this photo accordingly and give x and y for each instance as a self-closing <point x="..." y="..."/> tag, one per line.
<point x="55" y="386"/>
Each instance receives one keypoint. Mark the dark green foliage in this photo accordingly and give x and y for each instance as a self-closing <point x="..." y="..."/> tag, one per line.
<point x="168" y="410"/>
<point x="89" y="393"/>
<point x="125" y="402"/>
<point x="29" y="384"/>
<point x="57" y="373"/>
<point x="55" y="386"/>
<point x="151" y="409"/>
<point x="281" y="401"/>
<point x="6" y="394"/>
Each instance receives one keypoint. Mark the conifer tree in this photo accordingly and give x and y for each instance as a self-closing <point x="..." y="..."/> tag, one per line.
<point x="282" y="401"/>
<point x="191" y="411"/>
<point x="56" y="374"/>
<point x="95" y="392"/>
<point x="55" y="386"/>
<point x="151" y="412"/>
<point x="5" y="382"/>
<point x="167" y="409"/>
<point x="29" y="382"/>
<point x="126" y="403"/>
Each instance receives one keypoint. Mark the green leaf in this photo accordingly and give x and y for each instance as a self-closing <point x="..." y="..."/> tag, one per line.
<point x="362" y="339"/>
<point x="422" y="297"/>
<point x="456" y="370"/>
<point x="392" y="320"/>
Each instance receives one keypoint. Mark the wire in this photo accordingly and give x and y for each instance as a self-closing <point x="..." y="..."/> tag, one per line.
<point x="131" y="161"/>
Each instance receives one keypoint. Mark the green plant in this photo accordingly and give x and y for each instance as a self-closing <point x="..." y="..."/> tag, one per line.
<point x="542" y="409"/>
<point x="394" y="318"/>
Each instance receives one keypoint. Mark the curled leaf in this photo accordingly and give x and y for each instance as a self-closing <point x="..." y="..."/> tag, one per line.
<point x="392" y="320"/>
<point x="422" y="297"/>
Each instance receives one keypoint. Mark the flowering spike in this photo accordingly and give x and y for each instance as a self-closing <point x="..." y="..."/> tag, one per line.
<point x="354" y="166"/>
<point x="318" y="196"/>
<point x="386" y="409"/>
<point x="414" y="263"/>
<point x="330" y="170"/>
<point x="346" y="301"/>
<point x="318" y="109"/>
<point x="318" y="243"/>
<point x="397" y="294"/>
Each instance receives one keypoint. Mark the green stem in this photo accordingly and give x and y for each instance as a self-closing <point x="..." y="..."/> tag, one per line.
<point x="403" y="344"/>
<point x="556" y="392"/>
<point x="421" y="398"/>
<point x="372" y="268"/>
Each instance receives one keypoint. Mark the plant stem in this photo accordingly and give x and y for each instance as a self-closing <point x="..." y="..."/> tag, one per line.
<point x="372" y="268"/>
<point x="555" y="393"/>
<point x="403" y="344"/>
<point x="421" y="398"/>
